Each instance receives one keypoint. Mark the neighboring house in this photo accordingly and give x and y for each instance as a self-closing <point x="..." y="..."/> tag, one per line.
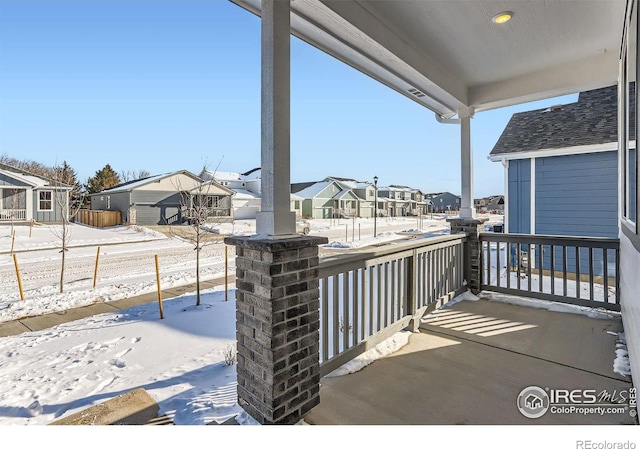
<point x="325" y="199"/>
<point x="561" y="168"/>
<point x="296" y="205"/>
<point x="165" y="199"/>
<point x="401" y="201"/>
<point x="444" y="202"/>
<point x="490" y="204"/>
<point x="364" y="191"/>
<point x="247" y="186"/>
<point x="26" y="197"/>
<point x="398" y="204"/>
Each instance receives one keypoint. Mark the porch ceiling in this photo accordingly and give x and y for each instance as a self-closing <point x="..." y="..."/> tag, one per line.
<point x="453" y="53"/>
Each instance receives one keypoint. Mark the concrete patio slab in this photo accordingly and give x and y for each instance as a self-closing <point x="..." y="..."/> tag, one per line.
<point x="575" y="340"/>
<point x="449" y="377"/>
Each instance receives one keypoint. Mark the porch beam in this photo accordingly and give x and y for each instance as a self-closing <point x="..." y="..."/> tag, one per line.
<point x="466" y="163"/>
<point x="275" y="220"/>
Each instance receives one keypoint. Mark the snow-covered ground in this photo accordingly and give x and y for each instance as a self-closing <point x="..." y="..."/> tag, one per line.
<point x="126" y="265"/>
<point x="180" y="361"/>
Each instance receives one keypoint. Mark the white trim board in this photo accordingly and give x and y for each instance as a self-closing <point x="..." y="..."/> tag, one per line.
<point x="580" y="149"/>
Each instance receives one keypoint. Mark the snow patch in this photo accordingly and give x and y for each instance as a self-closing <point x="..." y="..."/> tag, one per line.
<point x="621" y="364"/>
<point x="550" y="306"/>
<point x="388" y="346"/>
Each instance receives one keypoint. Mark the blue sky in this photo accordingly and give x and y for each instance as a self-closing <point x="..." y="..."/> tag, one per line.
<point x="164" y="85"/>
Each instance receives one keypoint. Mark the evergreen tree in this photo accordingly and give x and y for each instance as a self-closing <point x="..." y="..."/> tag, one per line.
<point x="103" y="179"/>
<point x="66" y="175"/>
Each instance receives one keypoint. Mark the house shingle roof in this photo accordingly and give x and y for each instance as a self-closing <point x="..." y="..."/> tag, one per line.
<point x="593" y="119"/>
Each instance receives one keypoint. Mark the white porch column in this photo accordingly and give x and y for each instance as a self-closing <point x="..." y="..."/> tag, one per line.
<point x="29" y="204"/>
<point x="275" y="218"/>
<point x="466" y="163"/>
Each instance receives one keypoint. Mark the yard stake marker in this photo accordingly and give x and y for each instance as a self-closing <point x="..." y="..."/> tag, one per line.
<point x="226" y="273"/>
<point x="30" y="227"/>
<point x="95" y="272"/>
<point x="13" y="241"/>
<point x="15" y="261"/>
<point x="159" y="290"/>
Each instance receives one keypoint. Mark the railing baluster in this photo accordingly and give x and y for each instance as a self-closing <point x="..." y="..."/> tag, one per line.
<point x="553" y="269"/>
<point x="372" y="303"/>
<point x="529" y="267"/>
<point x="365" y="309"/>
<point x="540" y="270"/>
<point x="336" y="314"/>
<point x="325" y="318"/>
<point x="394" y="285"/>
<point x="605" y="265"/>
<point x="591" y="297"/>
<point x="379" y="298"/>
<point x="518" y="263"/>
<point x="578" y="272"/>
<point x="564" y="270"/>
<point x="488" y="261"/>
<point x="356" y="309"/>
<point x="509" y="263"/>
<point x="346" y="300"/>
<point x="498" y="265"/>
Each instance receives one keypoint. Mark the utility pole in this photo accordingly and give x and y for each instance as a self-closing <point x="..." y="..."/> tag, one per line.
<point x="375" y="207"/>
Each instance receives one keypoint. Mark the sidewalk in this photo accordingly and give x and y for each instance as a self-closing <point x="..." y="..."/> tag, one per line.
<point x="41" y="322"/>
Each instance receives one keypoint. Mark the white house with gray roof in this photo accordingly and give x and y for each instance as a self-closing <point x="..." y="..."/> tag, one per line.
<point x="561" y="168"/>
<point x="165" y="199"/>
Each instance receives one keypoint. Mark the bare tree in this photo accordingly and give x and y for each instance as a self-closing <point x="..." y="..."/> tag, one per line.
<point x="67" y="201"/>
<point x="133" y="175"/>
<point x="201" y="207"/>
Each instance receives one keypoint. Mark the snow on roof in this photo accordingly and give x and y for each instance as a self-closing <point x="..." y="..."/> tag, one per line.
<point x="343" y="193"/>
<point x="251" y="175"/>
<point x="132" y="185"/>
<point x="295" y="197"/>
<point x="314" y="189"/>
<point x="27" y="179"/>
<point x="223" y="176"/>
<point x="244" y="194"/>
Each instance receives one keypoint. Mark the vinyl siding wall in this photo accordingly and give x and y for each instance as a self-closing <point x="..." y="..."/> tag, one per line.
<point x="577" y="195"/>
<point x="519" y="179"/>
<point x="48" y="216"/>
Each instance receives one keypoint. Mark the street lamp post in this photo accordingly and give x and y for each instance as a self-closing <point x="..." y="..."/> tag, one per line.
<point x="375" y="206"/>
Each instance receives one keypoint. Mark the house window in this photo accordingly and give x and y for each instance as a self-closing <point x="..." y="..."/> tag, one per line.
<point x="45" y="200"/>
<point x="629" y="116"/>
<point x="212" y="202"/>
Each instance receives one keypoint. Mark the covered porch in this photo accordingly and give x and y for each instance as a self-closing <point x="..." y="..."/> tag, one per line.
<point x="300" y="318"/>
<point x="469" y="363"/>
<point x="13" y="204"/>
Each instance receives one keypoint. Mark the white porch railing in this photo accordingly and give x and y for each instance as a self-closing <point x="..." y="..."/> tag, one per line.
<point x="13" y="214"/>
<point x="366" y="298"/>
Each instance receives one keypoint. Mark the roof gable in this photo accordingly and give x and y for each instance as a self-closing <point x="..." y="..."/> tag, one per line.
<point x="131" y="185"/>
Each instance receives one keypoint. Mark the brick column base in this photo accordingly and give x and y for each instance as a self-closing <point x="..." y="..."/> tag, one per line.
<point x="277" y="327"/>
<point x="471" y="227"/>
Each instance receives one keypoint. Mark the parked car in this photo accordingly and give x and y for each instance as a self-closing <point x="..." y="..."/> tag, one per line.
<point x="303" y="227"/>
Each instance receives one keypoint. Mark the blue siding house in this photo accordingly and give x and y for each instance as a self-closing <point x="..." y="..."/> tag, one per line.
<point x="561" y="168"/>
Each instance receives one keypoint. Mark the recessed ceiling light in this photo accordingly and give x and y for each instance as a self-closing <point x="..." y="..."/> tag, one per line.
<point x="502" y="17"/>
